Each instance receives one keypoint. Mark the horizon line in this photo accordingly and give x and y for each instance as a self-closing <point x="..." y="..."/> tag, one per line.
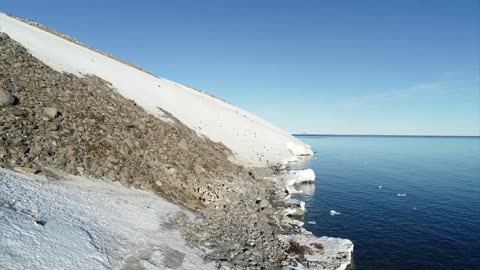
<point x="378" y="135"/>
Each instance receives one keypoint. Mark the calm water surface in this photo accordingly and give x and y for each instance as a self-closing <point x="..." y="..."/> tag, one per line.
<point x="435" y="226"/>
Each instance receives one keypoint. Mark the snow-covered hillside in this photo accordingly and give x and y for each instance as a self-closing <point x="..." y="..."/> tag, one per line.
<point x="254" y="141"/>
<point x="81" y="223"/>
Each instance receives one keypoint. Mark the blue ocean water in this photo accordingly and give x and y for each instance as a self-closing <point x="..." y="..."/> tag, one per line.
<point x="435" y="226"/>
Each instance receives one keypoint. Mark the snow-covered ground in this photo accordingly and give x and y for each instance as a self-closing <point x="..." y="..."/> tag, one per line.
<point x="254" y="141"/>
<point x="87" y="224"/>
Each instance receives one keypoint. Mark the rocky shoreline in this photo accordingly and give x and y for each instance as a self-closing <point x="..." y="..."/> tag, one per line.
<point x="52" y="121"/>
<point x="260" y="228"/>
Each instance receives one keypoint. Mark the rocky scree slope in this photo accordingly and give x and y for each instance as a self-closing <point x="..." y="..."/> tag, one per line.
<point x="83" y="126"/>
<point x="253" y="141"/>
<point x="52" y="121"/>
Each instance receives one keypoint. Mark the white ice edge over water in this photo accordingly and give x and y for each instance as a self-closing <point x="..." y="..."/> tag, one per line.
<point x="337" y="252"/>
<point x="289" y="178"/>
<point x="254" y="141"/>
<point x="90" y="224"/>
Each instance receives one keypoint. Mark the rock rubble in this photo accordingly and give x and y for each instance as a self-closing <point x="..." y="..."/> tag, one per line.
<point x="83" y="126"/>
<point x="52" y="121"/>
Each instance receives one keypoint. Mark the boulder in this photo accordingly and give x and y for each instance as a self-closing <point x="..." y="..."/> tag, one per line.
<point x="51" y="112"/>
<point x="6" y="98"/>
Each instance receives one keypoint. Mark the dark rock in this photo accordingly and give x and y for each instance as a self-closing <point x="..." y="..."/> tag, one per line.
<point x="24" y="149"/>
<point x="3" y="36"/>
<point x="41" y="222"/>
<point x="18" y="112"/>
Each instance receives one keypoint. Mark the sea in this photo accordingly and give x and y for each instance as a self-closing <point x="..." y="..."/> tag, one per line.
<point x="406" y="202"/>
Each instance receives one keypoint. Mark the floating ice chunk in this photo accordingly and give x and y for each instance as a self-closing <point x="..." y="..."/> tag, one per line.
<point x="334" y="213"/>
<point x="380" y="187"/>
<point x="312" y="222"/>
<point x="401" y="195"/>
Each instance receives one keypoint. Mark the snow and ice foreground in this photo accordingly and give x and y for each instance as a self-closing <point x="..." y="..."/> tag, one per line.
<point x="253" y="141"/>
<point x="322" y="252"/>
<point x="88" y="224"/>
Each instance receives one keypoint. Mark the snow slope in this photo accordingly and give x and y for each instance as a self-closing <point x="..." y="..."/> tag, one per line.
<point x="88" y="224"/>
<point x="254" y="141"/>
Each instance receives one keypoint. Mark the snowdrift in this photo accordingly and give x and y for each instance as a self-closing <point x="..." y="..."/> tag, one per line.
<point x="82" y="223"/>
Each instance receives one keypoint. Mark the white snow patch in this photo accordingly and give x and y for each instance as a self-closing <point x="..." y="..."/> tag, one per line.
<point x="297" y="208"/>
<point x="87" y="224"/>
<point x="293" y="177"/>
<point x="254" y="142"/>
<point x="288" y="179"/>
<point x="292" y="190"/>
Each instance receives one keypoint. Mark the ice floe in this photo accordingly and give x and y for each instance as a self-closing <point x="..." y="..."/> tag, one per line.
<point x="334" y="213"/>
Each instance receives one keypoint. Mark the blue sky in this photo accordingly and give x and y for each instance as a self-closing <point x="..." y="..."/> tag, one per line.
<point x="344" y="67"/>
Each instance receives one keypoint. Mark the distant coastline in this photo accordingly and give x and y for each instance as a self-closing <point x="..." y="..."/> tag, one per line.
<point x="382" y="135"/>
